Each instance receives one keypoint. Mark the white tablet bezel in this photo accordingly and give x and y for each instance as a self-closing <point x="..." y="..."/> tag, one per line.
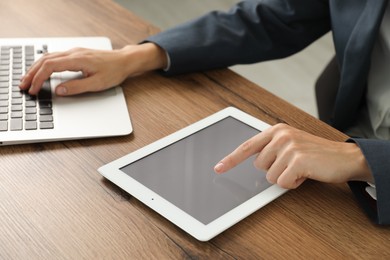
<point x="200" y="231"/>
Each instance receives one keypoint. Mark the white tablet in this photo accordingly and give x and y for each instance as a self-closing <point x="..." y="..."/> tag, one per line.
<point x="175" y="175"/>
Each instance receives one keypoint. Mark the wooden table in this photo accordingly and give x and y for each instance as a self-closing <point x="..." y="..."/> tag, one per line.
<point x="55" y="205"/>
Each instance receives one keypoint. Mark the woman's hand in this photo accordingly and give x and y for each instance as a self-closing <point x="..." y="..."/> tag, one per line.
<point x="101" y="69"/>
<point x="290" y="156"/>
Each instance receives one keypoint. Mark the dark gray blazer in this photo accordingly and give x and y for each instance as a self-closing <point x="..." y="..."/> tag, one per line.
<point x="260" y="30"/>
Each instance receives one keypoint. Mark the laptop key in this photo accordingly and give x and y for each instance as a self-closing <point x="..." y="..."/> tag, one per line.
<point x="17" y="72"/>
<point x="17" y="114"/>
<point x="46" y="125"/>
<point x="16" y="124"/>
<point x="31" y="125"/>
<point x="45" y="111"/>
<point x="31" y="110"/>
<point x="3" y="125"/>
<point x="17" y="101"/>
<point x="16" y="108"/>
<point x="17" y="94"/>
<point x="30" y="103"/>
<point x="4" y="96"/>
<point x="46" y="118"/>
<point x="31" y="117"/>
<point x="45" y="103"/>
<point x="3" y="117"/>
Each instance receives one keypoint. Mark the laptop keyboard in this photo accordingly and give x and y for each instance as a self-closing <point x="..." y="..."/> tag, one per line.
<point x="18" y="110"/>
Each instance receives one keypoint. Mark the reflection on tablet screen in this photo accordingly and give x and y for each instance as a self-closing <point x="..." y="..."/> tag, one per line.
<point x="183" y="174"/>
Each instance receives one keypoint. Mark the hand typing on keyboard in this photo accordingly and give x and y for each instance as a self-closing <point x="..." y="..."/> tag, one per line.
<point x="101" y="69"/>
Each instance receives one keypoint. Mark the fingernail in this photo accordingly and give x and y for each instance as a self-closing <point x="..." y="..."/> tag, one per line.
<point x="61" y="90"/>
<point x="31" y="89"/>
<point x="218" y="168"/>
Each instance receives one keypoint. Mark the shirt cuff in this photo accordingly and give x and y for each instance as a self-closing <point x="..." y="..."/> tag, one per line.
<point x="168" y="62"/>
<point x="371" y="190"/>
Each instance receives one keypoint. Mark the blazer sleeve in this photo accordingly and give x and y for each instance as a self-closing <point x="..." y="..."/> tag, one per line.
<point x="377" y="153"/>
<point x="251" y="31"/>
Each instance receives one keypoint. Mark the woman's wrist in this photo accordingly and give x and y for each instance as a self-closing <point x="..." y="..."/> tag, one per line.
<point x="142" y="58"/>
<point x="362" y="171"/>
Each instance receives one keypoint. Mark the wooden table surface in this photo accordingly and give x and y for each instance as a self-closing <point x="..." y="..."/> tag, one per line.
<point x="55" y="205"/>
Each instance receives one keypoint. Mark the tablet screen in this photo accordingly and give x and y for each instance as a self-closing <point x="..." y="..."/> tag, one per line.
<point x="183" y="174"/>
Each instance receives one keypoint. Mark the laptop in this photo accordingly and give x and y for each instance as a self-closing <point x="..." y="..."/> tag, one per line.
<point x="47" y="117"/>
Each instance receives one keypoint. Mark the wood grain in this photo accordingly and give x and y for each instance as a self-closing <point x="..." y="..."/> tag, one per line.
<point x="55" y="205"/>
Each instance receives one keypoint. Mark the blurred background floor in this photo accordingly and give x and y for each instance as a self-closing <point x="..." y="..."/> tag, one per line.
<point x="292" y="78"/>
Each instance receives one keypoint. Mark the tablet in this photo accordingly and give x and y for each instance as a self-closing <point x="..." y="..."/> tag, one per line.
<point x="175" y="175"/>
